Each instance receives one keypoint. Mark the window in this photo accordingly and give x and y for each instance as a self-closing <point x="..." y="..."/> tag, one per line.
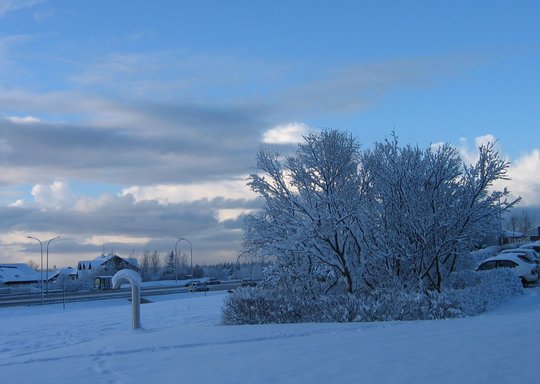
<point x="487" y="265"/>
<point x="507" y="264"/>
<point x="524" y="258"/>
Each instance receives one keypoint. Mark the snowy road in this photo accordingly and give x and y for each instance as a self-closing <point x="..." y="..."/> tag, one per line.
<point x="58" y="297"/>
<point x="182" y="341"/>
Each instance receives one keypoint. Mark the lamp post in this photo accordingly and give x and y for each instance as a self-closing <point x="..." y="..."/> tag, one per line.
<point x="190" y="252"/>
<point x="47" y="263"/>
<point x="41" y="264"/>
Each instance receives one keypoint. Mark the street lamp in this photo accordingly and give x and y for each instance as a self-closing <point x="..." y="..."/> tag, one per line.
<point x="41" y="265"/>
<point x="47" y="267"/>
<point x="191" y="254"/>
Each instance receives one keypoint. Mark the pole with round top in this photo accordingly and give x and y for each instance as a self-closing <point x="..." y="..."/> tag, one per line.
<point x="41" y="265"/>
<point x="47" y="263"/>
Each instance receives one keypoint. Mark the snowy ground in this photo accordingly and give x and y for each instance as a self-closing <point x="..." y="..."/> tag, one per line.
<point x="183" y="341"/>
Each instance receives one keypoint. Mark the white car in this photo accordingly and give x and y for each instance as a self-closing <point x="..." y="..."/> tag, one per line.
<point x="534" y="246"/>
<point x="523" y="267"/>
<point x="197" y="286"/>
<point x="528" y="253"/>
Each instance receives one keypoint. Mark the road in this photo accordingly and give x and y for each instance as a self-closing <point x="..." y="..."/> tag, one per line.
<point x="58" y="297"/>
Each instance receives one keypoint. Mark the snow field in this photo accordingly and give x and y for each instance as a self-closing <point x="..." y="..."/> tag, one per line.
<point x="182" y="341"/>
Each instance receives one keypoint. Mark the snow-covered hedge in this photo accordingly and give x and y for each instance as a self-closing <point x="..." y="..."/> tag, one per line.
<point x="263" y="306"/>
<point x="468" y="293"/>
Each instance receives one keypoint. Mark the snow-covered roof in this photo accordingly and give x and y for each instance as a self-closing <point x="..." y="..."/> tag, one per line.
<point x="18" y="273"/>
<point x="100" y="260"/>
<point x="67" y="271"/>
<point x="534" y="231"/>
<point x="512" y="234"/>
<point x="97" y="262"/>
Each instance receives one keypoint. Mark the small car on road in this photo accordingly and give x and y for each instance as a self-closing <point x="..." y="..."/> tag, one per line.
<point x="198" y="286"/>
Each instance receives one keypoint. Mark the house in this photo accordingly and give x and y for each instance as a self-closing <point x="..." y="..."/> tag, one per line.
<point x="64" y="274"/>
<point x="106" y="264"/>
<point x="534" y="233"/>
<point x="512" y="237"/>
<point x="18" y="274"/>
<point x="17" y="277"/>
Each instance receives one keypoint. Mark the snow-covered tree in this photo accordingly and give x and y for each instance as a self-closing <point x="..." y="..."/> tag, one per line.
<point x="155" y="265"/>
<point x="391" y="217"/>
<point x="170" y="264"/>
<point x="429" y="210"/>
<point x="525" y="222"/>
<point x="374" y="235"/>
<point x="33" y="264"/>
<point x="314" y="205"/>
<point x="144" y="265"/>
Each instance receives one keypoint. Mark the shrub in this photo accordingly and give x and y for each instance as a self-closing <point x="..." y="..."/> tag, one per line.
<point x="467" y="293"/>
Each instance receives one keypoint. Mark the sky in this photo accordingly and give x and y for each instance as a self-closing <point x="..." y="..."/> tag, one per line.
<point x="125" y="125"/>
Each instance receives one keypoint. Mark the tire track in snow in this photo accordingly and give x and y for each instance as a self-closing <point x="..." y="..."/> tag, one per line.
<point x="96" y="357"/>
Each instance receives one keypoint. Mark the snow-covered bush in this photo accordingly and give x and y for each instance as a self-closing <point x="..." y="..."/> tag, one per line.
<point x="262" y="306"/>
<point x="469" y="293"/>
<point x="484" y="290"/>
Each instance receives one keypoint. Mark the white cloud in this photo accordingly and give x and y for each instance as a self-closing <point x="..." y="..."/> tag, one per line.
<point x="290" y="133"/>
<point x="171" y="194"/>
<point x="232" y="214"/>
<point x="131" y="240"/>
<point x="7" y="6"/>
<point x="470" y="155"/>
<point x="90" y="204"/>
<point x="525" y="181"/>
<point x="485" y="139"/>
<point x="18" y="203"/>
<point x="436" y="146"/>
<point x="16" y="238"/>
<point x="56" y="195"/>
<point x="523" y="171"/>
<point x="23" y="120"/>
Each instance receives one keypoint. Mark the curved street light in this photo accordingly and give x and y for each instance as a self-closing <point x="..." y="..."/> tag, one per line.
<point x="47" y="265"/>
<point x="41" y="265"/>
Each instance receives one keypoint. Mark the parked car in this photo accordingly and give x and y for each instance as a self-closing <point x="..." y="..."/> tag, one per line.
<point x="528" y="253"/>
<point x="535" y="246"/>
<point x="524" y="268"/>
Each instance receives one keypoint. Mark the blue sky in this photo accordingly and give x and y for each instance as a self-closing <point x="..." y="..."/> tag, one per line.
<point x="125" y="124"/>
